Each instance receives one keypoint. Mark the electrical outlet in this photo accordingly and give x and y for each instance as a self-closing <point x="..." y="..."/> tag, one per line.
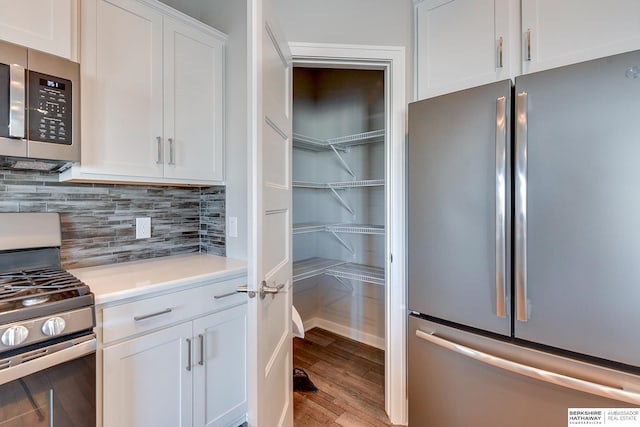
<point x="143" y="228"/>
<point x="233" y="226"/>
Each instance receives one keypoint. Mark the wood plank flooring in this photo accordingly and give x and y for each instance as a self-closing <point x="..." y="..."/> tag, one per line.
<point x="350" y="379"/>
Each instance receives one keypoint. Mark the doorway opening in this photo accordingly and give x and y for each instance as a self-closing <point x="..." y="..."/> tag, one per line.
<point x="388" y="117"/>
<point x="340" y="253"/>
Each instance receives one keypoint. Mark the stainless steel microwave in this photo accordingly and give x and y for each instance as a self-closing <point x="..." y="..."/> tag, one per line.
<point x="39" y="109"/>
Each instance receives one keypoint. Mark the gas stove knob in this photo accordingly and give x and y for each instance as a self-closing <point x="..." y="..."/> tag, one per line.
<point x="15" y="335"/>
<point x="53" y="326"/>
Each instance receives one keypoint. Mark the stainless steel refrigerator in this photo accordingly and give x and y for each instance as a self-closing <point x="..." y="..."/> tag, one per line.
<point x="524" y="248"/>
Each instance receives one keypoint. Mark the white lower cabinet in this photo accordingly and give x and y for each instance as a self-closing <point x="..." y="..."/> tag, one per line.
<point x="219" y="381"/>
<point x="188" y="374"/>
<point x="146" y="382"/>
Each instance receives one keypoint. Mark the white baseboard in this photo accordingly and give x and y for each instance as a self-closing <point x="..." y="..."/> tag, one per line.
<point x="345" y="331"/>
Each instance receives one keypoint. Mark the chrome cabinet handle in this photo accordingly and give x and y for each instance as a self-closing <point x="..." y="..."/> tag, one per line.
<point x="528" y="57"/>
<point x="532" y="372"/>
<point x="244" y="289"/>
<point x="201" y="337"/>
<point x="266" y="289"/>
<point x="147" y="316"/>
<point x="17" y="99"/>
<point x="159" y="157"/>
<point x="501" y="217"/>
<point x="188" y="354"/>
<point x="172" y="160"/>
<point x="521" y="206"/>
<point x="500" y="45"/>
<point x="229" y="294"/>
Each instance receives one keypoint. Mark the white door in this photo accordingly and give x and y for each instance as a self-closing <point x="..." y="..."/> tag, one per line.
<point x="270" y="345"/>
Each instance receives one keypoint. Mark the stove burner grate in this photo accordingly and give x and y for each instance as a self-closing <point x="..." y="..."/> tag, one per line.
<point x="35" y="286"/>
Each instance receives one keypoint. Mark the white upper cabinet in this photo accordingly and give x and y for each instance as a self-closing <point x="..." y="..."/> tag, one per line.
<point x="121" y="88"/>
<point x="460" y="44"/>
<point x="193" y="107"/>
<point x="570" y="31"/>
<point x="152" y="96"/>
<point x="458" y="41"/>
<point x="46" y="25"/>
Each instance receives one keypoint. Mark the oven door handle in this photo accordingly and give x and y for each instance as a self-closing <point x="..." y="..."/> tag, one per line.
<point x="47" y="357"/>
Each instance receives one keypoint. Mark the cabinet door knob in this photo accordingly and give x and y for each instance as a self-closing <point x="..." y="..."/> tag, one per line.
<point x="500" y="43"/>
<point x="528" y="57"/>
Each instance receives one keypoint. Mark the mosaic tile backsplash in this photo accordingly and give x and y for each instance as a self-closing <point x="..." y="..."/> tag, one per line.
<point x="98" y="220"/>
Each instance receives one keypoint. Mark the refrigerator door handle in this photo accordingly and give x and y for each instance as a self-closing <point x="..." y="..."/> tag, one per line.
<point x="521" y="206"/>
<point x="501" y="221"/>
<point x="531" y="372"/>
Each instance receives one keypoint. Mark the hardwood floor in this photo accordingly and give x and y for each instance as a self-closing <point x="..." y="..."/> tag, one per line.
<point x="350" y="381"/>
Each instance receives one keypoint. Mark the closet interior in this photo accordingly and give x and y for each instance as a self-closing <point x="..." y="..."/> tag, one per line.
<point x="339" y="201"/>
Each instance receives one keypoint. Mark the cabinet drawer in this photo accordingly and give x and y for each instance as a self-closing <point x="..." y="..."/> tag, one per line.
<point x="132" y="318"/>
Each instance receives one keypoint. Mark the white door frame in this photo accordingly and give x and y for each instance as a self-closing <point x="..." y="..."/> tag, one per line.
<point x="391" y="60"/>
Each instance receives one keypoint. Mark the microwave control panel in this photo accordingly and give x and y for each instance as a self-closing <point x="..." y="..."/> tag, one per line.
<point x="49" y="108"/>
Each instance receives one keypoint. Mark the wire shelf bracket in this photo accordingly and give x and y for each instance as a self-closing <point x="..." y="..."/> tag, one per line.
<point x="341" y="200"/>
<point x="343" y="243"/>
<point x="342" y="161"/>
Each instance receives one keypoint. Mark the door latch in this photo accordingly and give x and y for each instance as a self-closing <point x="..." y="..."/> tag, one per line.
<point x="246" y="290"/>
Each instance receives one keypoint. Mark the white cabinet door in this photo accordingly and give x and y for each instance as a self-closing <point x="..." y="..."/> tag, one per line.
<point x="46" y="25"/>
<point x="458" y="44"/>
<point x="193" y="102"/>
<point x="121" y="88"/>
<point x="570" y="31"/>
<point x="220" y="368"/>
<point x="146" y="381"/>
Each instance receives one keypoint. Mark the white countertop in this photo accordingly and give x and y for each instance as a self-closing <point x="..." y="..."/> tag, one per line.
<point x="114" y="282"/>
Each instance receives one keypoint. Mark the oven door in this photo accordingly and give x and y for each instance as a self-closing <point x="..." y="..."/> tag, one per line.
<point x="54" y="386"/>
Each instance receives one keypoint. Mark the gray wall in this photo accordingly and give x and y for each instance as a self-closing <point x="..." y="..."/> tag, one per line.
<point x="230" y="17"/>
<point x="98" y="220"/>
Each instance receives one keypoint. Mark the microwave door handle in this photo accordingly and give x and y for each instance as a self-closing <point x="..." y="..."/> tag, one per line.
<point x="17" y="97"/>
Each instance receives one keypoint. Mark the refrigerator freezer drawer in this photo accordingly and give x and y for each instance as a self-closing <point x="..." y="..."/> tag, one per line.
<point x="448" y="387"/>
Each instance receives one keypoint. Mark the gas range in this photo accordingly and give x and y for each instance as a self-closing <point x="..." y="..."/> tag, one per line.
<point x="40" y="302"/>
